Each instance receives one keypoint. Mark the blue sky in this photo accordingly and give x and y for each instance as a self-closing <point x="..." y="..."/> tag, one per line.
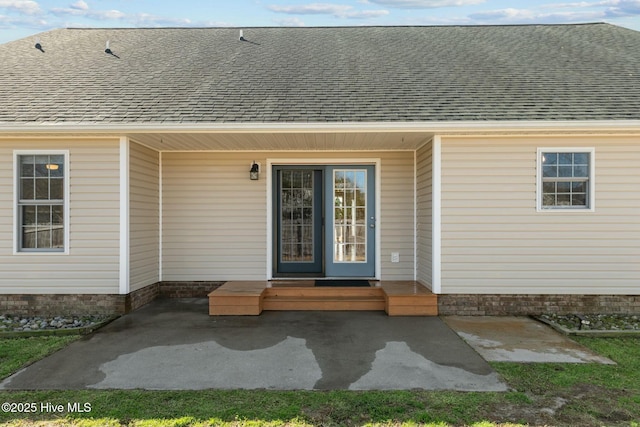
<point x="21" y="18"/>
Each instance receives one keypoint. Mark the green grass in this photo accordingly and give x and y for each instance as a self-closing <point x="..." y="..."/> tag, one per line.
<point x="15" y="353"/>
<point x="537" y="377"/>
<point x="543" y="394"/>
<point x="265" y="408"/>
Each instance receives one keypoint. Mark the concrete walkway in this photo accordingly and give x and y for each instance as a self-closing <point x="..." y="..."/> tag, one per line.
<point x="175" y="345"/>
<point x="520" y="339"/>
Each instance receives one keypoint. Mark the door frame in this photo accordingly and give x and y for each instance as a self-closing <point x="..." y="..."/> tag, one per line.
<point x="303" y="161"/>
<point x="315" y="267"/>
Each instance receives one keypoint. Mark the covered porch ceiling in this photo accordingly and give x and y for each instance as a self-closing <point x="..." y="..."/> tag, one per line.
<point x="307" y="136"/>
<point x="282" y="141"/>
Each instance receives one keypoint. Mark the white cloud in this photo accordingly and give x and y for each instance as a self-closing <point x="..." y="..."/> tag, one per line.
<point x="336" y="10"/>
<point x="629" y="8"/>
<point x="504" y="15"/>
<point x="146" y="19"/>
<point x="12" y="22"/>
<point x="424" y="4"/>
<point x="101" y="15"/>
<point x="80" y="5"/>
<point x="290" y="22"/>
<point x="81" y="10"/>
<point x="552" y="13"/>
<point x="524" y="16"/>
<point x="601" y="10"/>
<point x="312" y="9"/>
<point x="26" y="7"/>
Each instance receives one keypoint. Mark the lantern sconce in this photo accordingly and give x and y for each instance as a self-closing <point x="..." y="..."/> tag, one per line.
<point x="254" y="172"/>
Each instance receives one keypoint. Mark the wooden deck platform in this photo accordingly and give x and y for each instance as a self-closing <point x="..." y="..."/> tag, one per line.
<point x="396" y="298"/>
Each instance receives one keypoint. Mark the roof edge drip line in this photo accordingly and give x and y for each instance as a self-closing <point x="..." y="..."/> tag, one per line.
<point x="434" y="127"/>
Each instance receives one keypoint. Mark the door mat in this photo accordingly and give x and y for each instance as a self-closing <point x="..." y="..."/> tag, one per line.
<point x="343" y="283"/>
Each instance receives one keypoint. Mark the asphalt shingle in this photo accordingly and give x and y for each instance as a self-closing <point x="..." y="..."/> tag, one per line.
<point x="360" y="74"/>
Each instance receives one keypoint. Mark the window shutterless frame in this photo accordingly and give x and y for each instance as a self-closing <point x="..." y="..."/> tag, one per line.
<point x="565" y="179"/>
<point x="41" y="201"/>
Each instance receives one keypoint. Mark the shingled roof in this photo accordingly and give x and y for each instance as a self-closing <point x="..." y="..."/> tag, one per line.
<point x="341" y="74"/>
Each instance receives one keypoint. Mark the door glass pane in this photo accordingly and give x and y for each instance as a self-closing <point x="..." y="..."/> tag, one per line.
<point x="350" y="213"/>
<point x="296" y="216"/>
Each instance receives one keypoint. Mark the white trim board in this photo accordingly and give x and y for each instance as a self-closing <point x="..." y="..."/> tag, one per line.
<point x="435" y="127"/>
<point x="125" y="248"/>
<point x="436" y="216"/>
<point x="415" y="215"/>
<point x="160" y="216"/>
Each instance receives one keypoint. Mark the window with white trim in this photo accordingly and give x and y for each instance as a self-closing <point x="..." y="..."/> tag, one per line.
<point x="565" y="178"/>
<point x="41" y="202"/>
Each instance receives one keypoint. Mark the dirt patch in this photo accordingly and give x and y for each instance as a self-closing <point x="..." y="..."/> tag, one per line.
<point x="585" y="405"/>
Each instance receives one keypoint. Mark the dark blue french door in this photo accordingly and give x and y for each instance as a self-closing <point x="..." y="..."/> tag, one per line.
<point x="324" y="221"/>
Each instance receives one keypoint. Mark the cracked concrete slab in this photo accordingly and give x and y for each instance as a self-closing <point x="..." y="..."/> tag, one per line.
<point x="175" y="344"/>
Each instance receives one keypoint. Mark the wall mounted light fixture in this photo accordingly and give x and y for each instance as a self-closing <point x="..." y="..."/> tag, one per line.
<point x="254" y="172"/>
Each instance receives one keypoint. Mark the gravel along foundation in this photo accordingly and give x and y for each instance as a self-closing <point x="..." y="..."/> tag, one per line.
<point x="19" y="326"/>
<point x="602" y="325"/>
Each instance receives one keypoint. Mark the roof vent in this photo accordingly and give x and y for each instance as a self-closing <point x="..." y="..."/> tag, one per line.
<point x="108" y="51"/>
<point x="39" y="45"/>
<point x="242" y="39"/>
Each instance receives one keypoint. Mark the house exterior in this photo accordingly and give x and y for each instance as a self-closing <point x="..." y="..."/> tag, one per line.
<point x="498" y="166"/>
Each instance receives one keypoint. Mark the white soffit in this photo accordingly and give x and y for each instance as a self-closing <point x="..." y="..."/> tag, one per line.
<point x="308" y="136"/>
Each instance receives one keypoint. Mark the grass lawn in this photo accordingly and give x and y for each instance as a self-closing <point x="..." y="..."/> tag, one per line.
<point x="543" y="394"/>
<point x="16" y="353"/>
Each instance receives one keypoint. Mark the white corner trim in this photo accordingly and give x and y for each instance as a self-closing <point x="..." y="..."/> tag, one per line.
<point x="160" y="218"/>
<point x="124" y="216"/>
<point x="415" y="215"/>
<point x="379" y="222"/>
<point x="269" y="224"/>
<point x="436" y="217"/>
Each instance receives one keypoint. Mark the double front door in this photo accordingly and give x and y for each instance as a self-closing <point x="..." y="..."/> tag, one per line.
<point x="324" y="221"/>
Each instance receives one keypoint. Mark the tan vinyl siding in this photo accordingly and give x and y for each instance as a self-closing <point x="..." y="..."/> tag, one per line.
<point x="214" y="217"/>
<point x="494" y="240"/>
<point x="397" y="209"/>
<point x="144" y="226"/>
<point x="92" y="265"/>
<point x="424" y="190"/>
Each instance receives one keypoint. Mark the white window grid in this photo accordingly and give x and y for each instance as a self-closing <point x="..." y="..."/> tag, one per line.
<point x="566" y="179"/>
<point x="49" y="215"/>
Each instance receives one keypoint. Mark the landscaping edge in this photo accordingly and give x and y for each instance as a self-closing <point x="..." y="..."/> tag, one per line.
<point x="589" y="333"/>
<point x="84" y="330"/>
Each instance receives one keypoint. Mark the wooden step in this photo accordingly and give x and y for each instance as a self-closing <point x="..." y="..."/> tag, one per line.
<point x="323" y="298"/>
<point x="401" y="298"/>
<point x="323" y="304"/>
<point x="237" y="299"/>
<point x="409" y="299"/>
<point x="422" y="305"/>
<point x="318" y="292"/>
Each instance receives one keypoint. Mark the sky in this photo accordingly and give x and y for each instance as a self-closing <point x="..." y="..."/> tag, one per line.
<point x="23" y="18"/>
